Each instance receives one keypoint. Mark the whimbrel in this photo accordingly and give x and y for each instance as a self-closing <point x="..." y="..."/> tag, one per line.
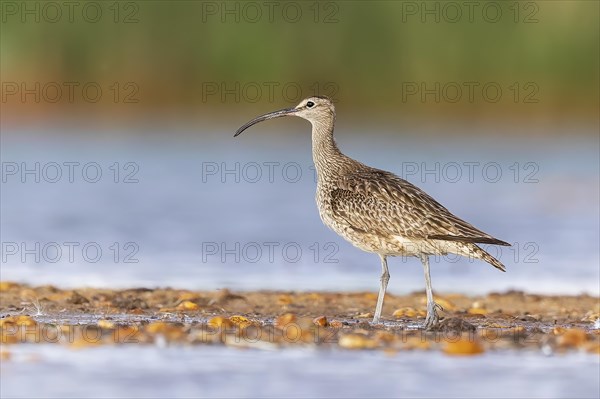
<point x="379" y="212"/>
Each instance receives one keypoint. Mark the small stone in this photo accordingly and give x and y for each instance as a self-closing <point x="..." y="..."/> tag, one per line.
<point x="463" y="347"/>
<point x="220" y="322"/>
<point x="157" y="327"/>
<point x="572" y="338"/>
<point x="7" y="285"/>
<point x="478" y="311"/>
<point x="106" y="324"/>
<point x="336" y="324"/>
<point x="558" y="330"/>
<point x="240" y="321"/>
<point x="170" y="331"/>
<point x="405" y="312"/>
<point x="20" y="320"/>
<point x="321" y="321"/>
<point x="356" y="341"/>
<point x="188" y="305"/>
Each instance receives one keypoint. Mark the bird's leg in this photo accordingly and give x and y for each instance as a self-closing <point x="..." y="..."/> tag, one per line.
<point x="432" y="317"/>
<point x="385" y="277"/>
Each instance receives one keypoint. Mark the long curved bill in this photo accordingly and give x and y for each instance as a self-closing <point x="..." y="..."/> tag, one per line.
<point x="265" y="117"/>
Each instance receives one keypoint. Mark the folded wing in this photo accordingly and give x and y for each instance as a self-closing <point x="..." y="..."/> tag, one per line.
<point x="380" y="202"/>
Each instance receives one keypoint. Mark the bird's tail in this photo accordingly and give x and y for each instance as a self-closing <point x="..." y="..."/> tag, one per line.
<point x="477" y="252"/>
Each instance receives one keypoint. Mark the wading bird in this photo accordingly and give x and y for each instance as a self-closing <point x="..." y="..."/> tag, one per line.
<point x="379" y="212"/>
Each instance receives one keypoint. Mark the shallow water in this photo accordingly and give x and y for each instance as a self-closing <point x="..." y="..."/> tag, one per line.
<point x="179" y="224"/>
<point x="176" y="217"/>
<point x="151" y="371"/>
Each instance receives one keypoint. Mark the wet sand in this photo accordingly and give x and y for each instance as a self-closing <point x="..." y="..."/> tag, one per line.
<point x="471" y="325"/>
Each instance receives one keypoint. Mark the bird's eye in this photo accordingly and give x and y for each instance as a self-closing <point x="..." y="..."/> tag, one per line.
<point x="310" y="104"/>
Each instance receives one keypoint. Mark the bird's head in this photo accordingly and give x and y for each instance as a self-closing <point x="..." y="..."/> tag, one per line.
<point x="316" y="110"/>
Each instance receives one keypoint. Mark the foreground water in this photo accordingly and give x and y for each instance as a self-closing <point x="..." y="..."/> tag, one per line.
<point x="208" y="213"/>
<point x="136" y="371"/>
<point x="205" y="212"/>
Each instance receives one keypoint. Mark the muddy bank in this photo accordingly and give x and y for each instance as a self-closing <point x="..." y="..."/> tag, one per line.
<point x="261" y="319"/>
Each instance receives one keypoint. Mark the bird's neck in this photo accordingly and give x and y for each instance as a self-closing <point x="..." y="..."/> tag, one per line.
<point x="326" y="155"/>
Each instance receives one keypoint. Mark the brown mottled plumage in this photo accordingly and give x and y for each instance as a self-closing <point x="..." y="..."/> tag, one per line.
<point x="379" y="212"/>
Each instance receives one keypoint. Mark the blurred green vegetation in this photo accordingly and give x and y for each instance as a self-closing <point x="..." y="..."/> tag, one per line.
<point x="363" y="53"/>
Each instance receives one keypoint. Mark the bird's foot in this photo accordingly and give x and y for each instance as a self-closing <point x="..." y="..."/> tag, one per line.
<point x="432" y="319"/>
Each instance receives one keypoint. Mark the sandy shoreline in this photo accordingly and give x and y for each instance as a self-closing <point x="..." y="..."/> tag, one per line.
<point x="267" y="319"/>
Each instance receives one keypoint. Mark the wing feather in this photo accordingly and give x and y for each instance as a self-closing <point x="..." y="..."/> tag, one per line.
<point x="381" y="203"/>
